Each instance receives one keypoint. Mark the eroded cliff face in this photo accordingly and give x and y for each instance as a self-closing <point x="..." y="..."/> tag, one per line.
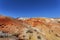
<point x="49" y="27"/>
<point x="29" y="28"/>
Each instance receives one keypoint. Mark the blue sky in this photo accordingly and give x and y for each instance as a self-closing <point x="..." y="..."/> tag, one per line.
<point x="30" y="8"/>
